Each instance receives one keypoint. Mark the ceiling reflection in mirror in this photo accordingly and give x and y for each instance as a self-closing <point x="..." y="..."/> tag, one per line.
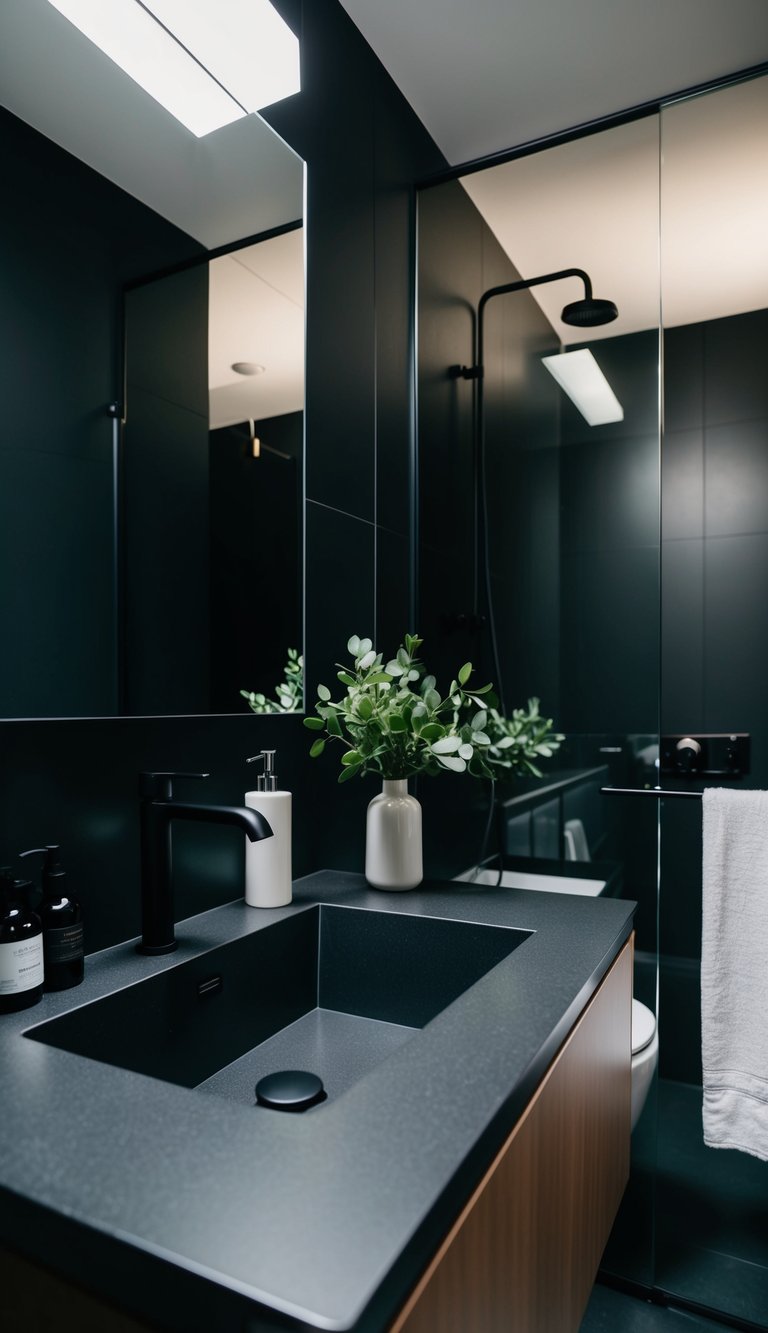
<point x="142" y="573"/>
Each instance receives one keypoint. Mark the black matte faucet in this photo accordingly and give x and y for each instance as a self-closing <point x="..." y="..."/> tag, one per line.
<point x="158" y="809"/>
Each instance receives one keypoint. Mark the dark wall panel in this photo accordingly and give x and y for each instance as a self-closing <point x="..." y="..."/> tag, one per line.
<point x="165" y="497"/>
<point x="256" y="509"/>
<point x="610" y="535"/>
<point x="62" y="267"/>
<point x="459" y="259"/>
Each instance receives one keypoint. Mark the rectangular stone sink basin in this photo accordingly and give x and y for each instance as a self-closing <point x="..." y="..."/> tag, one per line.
<point x="331" y="990"/>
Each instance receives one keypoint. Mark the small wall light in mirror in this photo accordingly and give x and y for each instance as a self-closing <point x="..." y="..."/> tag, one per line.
<point x="255" y="441"/>
<point x="579" y="375"/>
<point x="247" y="368"/>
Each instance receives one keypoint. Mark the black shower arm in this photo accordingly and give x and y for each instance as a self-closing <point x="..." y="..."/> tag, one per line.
<point x="522" y="285"/>
<point x="476" y="371"/>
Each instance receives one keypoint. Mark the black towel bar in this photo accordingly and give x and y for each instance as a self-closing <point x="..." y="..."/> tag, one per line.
<point x="658" y="792"/>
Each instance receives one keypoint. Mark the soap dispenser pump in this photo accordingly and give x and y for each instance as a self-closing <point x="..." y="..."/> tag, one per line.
<point x="268" y="863"/>
<point x="21" y="946"/>
<point x="62" y="921"/>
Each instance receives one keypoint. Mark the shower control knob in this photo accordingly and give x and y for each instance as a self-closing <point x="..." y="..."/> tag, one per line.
<point x="688" y="752"/>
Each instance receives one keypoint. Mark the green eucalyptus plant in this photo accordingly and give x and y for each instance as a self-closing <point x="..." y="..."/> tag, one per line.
<point x="289" y="693"/>
<point x="393" y="721"/>
<point x="520" y="741"/>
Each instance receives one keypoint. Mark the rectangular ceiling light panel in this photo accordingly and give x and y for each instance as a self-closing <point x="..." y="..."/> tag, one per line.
<point x="582" y="379"/>
<point x="131" y="37"/>
<point x="245" y="44"/>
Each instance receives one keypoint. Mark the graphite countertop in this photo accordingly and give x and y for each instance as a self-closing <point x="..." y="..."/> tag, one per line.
<point x="197" y="1212"/>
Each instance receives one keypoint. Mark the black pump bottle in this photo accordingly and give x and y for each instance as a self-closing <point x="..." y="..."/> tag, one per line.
<point x="62" y="920"/>
<point x="21" y="954"/>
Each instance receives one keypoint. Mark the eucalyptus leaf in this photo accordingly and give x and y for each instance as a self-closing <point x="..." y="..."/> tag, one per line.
<point x="453" y="762"/>
<point x="479" y="720"/>
<point x="314" y="723"/>
<point x="446" y="745"/>
<point x="367" y="660"/>
<point x="353" y="645"/>
<point x="466" y="751"/>
<point x="323" y="693"/>
<point x="317" y="748"/>
<point x="465" y="672"/>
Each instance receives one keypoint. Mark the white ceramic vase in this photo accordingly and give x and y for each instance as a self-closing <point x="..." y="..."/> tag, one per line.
<point x="393" y="838"/>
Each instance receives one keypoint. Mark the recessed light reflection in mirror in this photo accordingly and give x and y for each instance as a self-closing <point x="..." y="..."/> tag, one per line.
<point x="579" y="375"/>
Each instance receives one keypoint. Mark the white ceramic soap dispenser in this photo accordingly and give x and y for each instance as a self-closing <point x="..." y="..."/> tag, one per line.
<point x="268" y="862"/>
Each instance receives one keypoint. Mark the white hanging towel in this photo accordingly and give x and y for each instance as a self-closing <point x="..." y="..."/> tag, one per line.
<point x="734" y="970"/>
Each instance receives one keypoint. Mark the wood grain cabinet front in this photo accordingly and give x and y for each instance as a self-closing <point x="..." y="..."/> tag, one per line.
<point x="523" y="1254"/>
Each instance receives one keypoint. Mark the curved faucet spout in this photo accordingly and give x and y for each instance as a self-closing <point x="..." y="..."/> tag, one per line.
<point x="158" y="811"/>
<point x="254" y="825"/>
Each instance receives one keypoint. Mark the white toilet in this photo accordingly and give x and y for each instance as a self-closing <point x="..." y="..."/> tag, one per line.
<point x="645" y="1055"/>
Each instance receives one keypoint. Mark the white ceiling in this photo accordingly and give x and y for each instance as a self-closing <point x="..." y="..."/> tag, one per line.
<point x="238" y="181"/>
<point x="256" y="313"/>
<point x="485" y="75"/>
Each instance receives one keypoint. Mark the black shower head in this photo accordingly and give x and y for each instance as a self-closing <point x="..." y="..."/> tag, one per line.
<point x="589" y="312"/>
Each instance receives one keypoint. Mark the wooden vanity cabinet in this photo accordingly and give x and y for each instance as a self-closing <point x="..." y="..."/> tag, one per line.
<point x="523" y="1254"/>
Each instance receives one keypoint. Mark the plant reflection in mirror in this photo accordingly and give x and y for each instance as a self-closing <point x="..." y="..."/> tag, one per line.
<point x="393" y="721"/>
<point x="289" y="693"/>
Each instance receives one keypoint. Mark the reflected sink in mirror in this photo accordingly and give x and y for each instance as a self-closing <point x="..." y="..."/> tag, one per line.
<point x="331" y="990"/>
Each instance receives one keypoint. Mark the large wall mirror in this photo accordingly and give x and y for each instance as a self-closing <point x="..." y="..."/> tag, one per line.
<point x="583" y="527"/>
<point x="152" y="445"/>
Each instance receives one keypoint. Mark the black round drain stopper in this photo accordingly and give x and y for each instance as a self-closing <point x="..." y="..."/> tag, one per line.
<point x="290" y="1090"/>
